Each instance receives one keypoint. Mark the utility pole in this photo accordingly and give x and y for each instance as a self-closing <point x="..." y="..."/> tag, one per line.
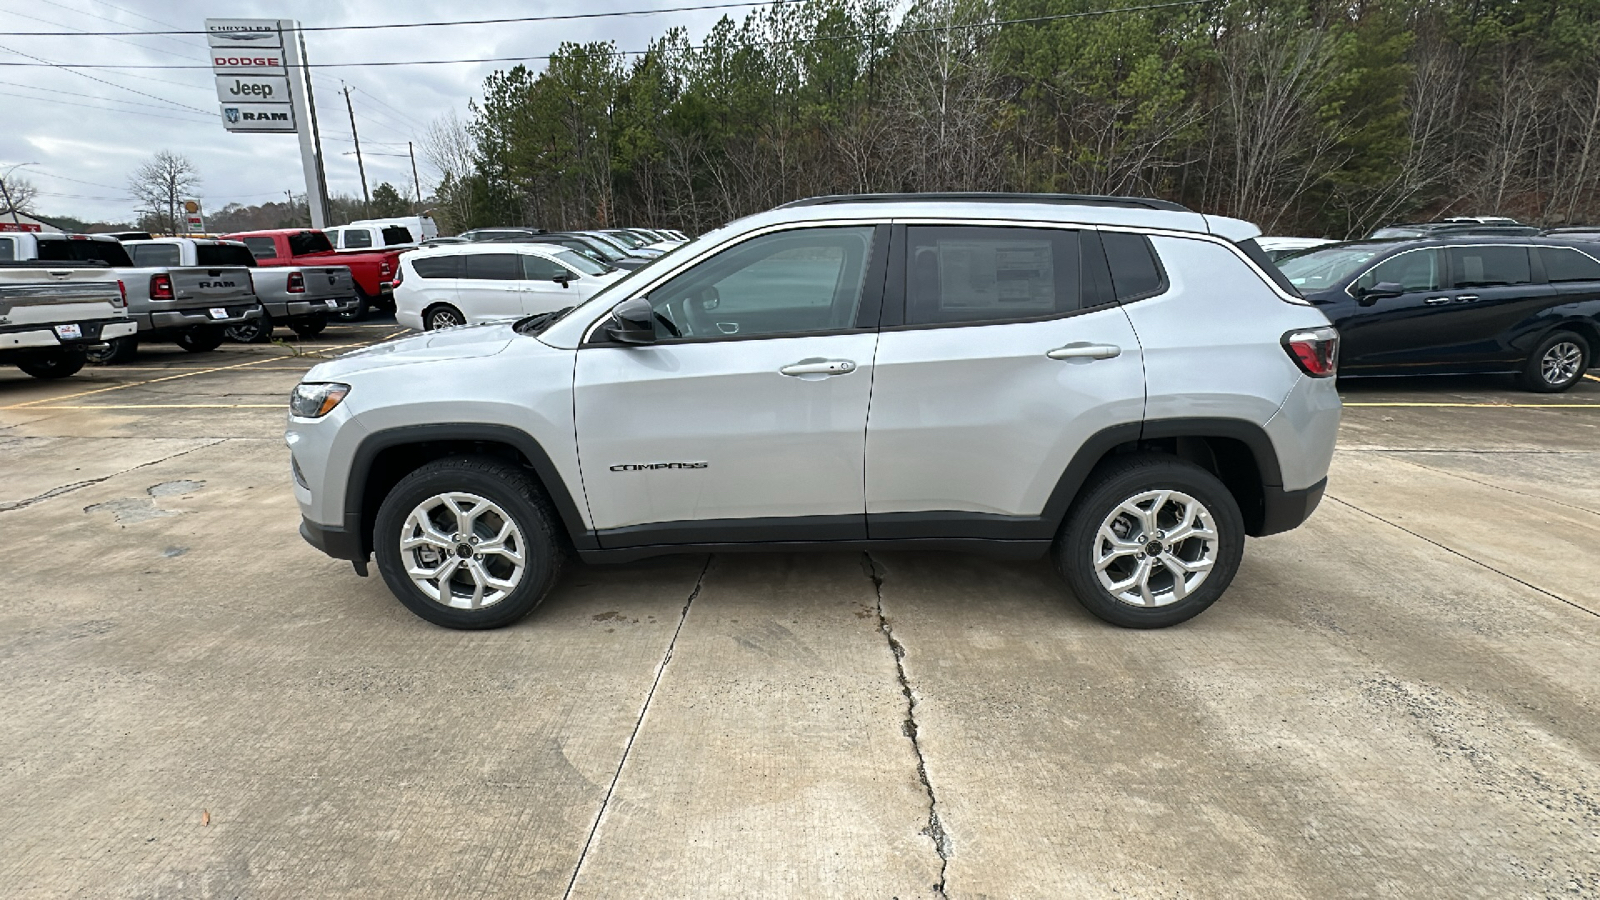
<point x="414" y="179"/>
<point x="366" y="199"/>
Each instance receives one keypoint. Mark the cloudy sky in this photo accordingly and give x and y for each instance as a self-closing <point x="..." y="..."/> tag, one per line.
<point x="89" y="128"/>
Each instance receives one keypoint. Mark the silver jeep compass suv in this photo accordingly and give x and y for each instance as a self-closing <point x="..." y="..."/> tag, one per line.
<point x="1122" y="383"/>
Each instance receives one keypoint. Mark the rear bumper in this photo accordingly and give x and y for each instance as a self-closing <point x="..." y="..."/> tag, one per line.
<point x="321" y="307"/>
<point x="43" y="337"/>
<point x="336" y="542"/>
<point x="1286" y="510"/>
<point x="174" y="319"/>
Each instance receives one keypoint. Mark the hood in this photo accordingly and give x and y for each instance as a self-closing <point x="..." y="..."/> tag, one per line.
<point x="465" y="342"/>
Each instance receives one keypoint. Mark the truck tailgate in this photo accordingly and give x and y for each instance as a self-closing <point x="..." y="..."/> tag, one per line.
<point x="197" y="288"/>
<point x="328" y="282"/>
<point x="45" y="297"/>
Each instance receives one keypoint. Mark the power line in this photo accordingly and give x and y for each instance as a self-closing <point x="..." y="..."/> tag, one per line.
<point x="81" y="32"/>
<point x="149" y="115"/>
<point x="90" y="97"/>
<point x="562" y="17"/>
<point x="519" y="59"/>
<point x="73" y="70"/>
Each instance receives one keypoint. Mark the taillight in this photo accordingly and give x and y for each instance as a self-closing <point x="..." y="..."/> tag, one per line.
<point x="399" y="275"/>
<point x="161" y="287"/>
<point x="297" y="282"/>
<point x="1314" y="350"/>
<point x="122" y="292"/>
<point x="383" y="267"/>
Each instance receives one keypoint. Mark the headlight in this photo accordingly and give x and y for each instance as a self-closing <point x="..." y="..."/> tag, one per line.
<point x="313" y="400"/>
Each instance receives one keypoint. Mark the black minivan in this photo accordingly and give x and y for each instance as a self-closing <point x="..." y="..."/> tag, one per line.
<point x="1459" y="304"/>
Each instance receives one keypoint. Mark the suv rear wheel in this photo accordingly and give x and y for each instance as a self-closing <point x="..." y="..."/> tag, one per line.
<point x="1556" y="364"/>
<point x="442" y="315"/>
<point x="468" y="543"/>
<point x="1152" y="541"/>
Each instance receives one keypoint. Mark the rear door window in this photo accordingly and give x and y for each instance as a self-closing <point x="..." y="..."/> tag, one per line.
<point x="1493" y="266"/>
<point x="261" y="247"/>
<point x="355" y="238"/>
<point x="1566" y="264"/>
<point x="1136" y="272"/>
<point x="494" y="266"/>
<point x="305" y="242"/>
<point x="438" y="266"/>
<point x="961" y="274"/>
<point x="156" y="255"/>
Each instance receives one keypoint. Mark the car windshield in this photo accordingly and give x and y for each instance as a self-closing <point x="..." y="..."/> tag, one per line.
<point x="1326" y="267"/>
<point x="630" y="241"/>
<point x="601" y="249"/>
<point x="582" y="263"/>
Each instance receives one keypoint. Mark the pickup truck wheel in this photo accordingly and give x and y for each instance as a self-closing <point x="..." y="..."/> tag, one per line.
<point x="53" y="363"/>
<point x="116" y="350"/>
<point x="251" y="331"/>
<point x="200" y="339"/>
<point x="1152" y="541"/>
<point x="442" y="316"/>
<point x="359" y="311"/>
<point x="310" y="326"/>
<point x="468" y="543"/>
<point x="1556" y="364"/>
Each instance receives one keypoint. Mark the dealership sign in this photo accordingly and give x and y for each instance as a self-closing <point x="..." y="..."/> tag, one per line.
<point x="253" y="84"/>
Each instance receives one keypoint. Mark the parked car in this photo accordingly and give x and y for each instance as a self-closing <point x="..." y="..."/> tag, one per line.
<point x="190" y="306"/>
<point x="301" y="297"/>
<point x="357" y="236"/>
<point x="422" y="227"/>
<point x="493" y="281"/>
<point x="1461" y="303"/>
<point x="593" y="246"/>
<point x="629" y="243"/>
<point x="52" y="313"/>
<point x="1459" y="225"/>
<point x="502" y="234"/>
<point x="374" y="272"/>
<point x="1122" y="383"/>
<point x="1277" y="248"/>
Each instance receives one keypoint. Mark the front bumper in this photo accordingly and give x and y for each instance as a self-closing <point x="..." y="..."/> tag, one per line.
<point x="336" y="542"/>
<point x="1286" y="510"/>
<point x="177" y="319"/>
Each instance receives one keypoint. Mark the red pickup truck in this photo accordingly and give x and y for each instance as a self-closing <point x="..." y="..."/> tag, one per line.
<point x="375" y="272"/>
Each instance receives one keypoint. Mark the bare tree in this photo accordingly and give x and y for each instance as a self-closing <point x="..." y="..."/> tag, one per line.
<point x="161" y="185"/>
<point x="16" y="195"/>
<point x="448" y="145"/>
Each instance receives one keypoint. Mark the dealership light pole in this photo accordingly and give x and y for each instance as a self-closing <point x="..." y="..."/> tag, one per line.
<point x="6" y="191"/>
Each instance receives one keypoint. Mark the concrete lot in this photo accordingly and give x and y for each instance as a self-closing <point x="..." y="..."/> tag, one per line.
<point x="1398" y="700"/>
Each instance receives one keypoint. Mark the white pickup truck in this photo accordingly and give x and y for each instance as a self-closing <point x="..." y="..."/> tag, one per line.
<point x="52" y="313"/>
<point x="188" y="306"/>
<point x="301" y="297"/>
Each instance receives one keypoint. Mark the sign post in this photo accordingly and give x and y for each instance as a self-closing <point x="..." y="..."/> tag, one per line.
<point x="264" y="86"/>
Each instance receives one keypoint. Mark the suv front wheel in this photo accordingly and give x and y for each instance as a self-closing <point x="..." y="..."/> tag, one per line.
<point x="468" y="543"/>
<point x="1152" y="541"/>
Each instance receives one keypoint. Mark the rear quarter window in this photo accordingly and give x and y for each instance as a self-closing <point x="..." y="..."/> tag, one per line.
<point x="355" y="239"/>
<point x="305" y="242"/>
<point x="156" y="255"/>
<point x="1562" y="264"/>
<point x="1268" y="265"/>
<point x="1136" y="271"/>
<point x="397" y="234"/>
<point x="437" y="267"/>
<point x="261" y="247"/>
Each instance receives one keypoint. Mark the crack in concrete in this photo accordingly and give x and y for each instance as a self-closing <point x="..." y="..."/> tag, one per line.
<point x="661" y="670"/>
<point x="934" y="830"/>
<point x="11" y="505"/>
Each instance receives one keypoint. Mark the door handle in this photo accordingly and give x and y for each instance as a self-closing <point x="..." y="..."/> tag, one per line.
<point x="1086" y="351"/>
<point x="1466" y="298"/>
<point x="820" y="367"/>
<point x="1436" y="301"/>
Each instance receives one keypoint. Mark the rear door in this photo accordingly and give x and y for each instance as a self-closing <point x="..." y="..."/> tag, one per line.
<point x="1007" y="350"/>
<point x="490" y="287"/>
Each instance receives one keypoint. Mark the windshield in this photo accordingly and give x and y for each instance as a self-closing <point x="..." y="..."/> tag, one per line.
<point x="584" y="264"/>
<point x="630" y="241"/>
<point x="601" y="249"/>
<point x="1326" y="267"/>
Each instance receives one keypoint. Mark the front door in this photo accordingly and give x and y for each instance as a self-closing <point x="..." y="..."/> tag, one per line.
<point x="746" y="419"/>
<point x="540" y="291"/>
<point x="1396" y="334"/>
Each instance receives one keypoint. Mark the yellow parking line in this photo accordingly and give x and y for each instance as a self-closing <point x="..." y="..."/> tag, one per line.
<point x="1592" y="377"/>
<point x="283" y="406"/>
<point x="1491" y="405"/>
<point x="118" y="387"/>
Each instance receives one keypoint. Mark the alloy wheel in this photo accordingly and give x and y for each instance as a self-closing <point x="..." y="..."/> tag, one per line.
<point x="1560" y="362"/>
<point x="462" y="550"/>
<point x="1155" y="548"/>
<point x="443" y="318"/>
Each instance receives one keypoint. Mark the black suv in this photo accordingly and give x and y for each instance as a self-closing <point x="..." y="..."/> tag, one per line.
<point x="1458" y="304"/>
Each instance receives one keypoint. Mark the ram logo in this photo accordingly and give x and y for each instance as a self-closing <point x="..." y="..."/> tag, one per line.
<point x="646" y="467"/>
<point x="231" y="113"/>
<point x="218" y="284"/>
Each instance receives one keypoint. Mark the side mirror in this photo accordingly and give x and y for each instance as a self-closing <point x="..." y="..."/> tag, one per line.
<point x="563" y="280"/>
<point x="1383" y="290"/>
<point x="632" y="322"/>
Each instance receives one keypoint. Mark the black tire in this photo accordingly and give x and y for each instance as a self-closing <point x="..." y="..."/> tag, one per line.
<point x="309" y="326"/>
<point x="53" y="364"/>
<point x="441" y="315"/>
<point x="114" y="351"/>
<point x="1123" y="479"/>
<point x="358" y="312"/>
<point x="507" y="487"/>
<point x="251" y="331"/>
<point x="1556" y="364"/>
<point x="200" y="338"/>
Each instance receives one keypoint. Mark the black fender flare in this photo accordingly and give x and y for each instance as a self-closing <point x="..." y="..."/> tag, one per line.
<point x="378" y="441"/>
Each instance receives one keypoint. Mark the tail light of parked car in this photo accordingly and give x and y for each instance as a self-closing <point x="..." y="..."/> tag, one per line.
<point x="399" y="275"/>
<point x="383" y="268"/>
<point x="161" y="287"/>
<point x="1314" y="350"/>
<point x="297" y="282"/>
<point x="122" y="294"/>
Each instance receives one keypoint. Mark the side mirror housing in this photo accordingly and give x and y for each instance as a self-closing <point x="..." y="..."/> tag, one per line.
<point x="563" y="280"/>
<point x="1383" y="290"/>
<point x="632" y="322"/>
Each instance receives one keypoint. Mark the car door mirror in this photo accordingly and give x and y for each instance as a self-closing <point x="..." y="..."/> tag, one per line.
<point x="633" y="322"/>
<point x="1383" y="290"/>
<point x="564" y="280"/>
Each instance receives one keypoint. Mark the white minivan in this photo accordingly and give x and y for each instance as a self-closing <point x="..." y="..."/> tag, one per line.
<point x="461" y="284"/>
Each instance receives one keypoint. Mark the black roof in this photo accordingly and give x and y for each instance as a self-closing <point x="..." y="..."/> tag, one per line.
<point x="1423" y="228"/>
<point x="994" y="197"/>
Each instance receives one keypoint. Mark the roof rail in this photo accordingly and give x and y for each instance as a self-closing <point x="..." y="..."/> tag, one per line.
<point x="994" y="197"/>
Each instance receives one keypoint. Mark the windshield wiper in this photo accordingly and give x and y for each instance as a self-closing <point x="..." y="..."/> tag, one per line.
<point x="538" y="322"/>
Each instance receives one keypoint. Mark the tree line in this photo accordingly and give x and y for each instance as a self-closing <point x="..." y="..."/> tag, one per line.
<point x="1304" y="117"/>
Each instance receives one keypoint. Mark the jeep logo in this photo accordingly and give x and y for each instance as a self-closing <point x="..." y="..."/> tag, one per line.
<point x="645" y="467"/>
<point x="217" y="284"/>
